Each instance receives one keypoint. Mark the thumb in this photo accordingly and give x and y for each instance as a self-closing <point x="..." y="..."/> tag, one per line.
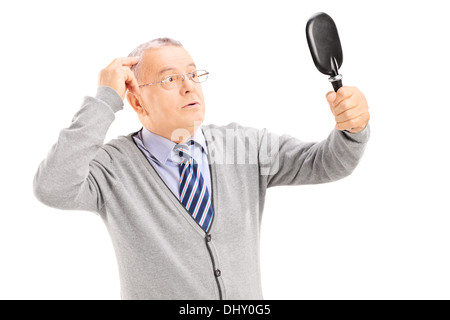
<point x="331" y="96"/>
<point x="131" y="82"/>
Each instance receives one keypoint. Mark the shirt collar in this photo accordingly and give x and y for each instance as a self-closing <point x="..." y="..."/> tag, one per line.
<point x="161" y="148"/>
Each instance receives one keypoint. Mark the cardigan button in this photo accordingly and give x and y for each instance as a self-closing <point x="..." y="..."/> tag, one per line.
<point x="217" y="273"/>
<point x="208" y="238"/>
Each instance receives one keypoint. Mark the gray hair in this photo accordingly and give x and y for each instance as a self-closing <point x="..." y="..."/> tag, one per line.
<point x="155" y="43"/>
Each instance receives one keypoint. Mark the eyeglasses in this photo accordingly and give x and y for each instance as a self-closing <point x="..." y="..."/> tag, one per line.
<point x="176" y="80"/>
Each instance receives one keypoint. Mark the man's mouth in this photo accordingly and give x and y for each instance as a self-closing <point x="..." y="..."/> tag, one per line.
<point x="192" y="104"/>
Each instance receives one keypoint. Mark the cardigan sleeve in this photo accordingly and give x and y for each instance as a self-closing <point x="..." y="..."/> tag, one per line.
<point x="285" y="160"/>
<point x="68" y="178"/>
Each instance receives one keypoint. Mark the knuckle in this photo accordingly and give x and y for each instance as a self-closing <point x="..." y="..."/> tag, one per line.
<point x="342" y="91"/>
<point x="345" y="104"/>
<point x="107" y="68"/>
<point x="104" y="71"/>
<point x="128" y="70"/>
<point x="348" y="113"/>
<point x="348" y="91"/>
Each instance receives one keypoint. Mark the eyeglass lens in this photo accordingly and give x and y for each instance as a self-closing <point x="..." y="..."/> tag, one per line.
<point x="176" y="80"/>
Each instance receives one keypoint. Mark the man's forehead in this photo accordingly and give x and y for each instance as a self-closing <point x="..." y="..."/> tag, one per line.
<point x="169" y="68"/>
<point x="167" y="59"/>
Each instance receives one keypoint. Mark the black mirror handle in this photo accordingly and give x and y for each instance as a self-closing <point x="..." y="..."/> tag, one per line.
<point x="336" y="80"/>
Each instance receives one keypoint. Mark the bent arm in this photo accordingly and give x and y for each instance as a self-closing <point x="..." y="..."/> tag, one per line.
<point x="68" y="177"/>
<point x="290" y="161"/>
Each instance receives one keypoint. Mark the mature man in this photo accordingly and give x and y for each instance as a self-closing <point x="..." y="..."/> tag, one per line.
<point x="182" y="201"/>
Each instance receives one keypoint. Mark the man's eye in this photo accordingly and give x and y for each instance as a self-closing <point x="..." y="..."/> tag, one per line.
<point x="169" y="79"/>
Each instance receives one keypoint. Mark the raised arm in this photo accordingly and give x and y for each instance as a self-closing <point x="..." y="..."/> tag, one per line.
<point x="68" y="177"/>
<point x="286" y="160"/>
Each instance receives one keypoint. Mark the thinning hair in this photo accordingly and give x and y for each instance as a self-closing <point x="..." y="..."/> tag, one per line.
<point x="140" y="50"/>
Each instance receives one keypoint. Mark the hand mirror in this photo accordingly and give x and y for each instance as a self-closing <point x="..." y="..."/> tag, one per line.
<point x="325" y="47"/>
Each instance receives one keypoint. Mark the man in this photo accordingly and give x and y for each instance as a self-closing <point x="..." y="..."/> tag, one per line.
<point x="183" y="209"/>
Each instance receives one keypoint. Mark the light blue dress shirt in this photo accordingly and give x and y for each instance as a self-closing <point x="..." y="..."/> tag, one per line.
<point x="159" y="151"/>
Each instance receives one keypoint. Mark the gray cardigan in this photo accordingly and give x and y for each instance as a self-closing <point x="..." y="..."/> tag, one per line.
<point x="162" y="253"/>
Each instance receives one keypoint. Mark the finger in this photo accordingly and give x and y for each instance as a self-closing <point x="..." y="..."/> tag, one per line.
<point x="346" y="104"/>
<point x="331" y="96"/>
<point x="126" y="61"/>
<point x="130" y="81"/>
<point x="342" y="94"/>
<point x="130" y="61"/>
<point x="348" y="115"/>
<point x="349" y="124"/>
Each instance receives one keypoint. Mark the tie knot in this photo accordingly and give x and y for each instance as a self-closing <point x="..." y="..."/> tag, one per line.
<point x="183" y="151"/>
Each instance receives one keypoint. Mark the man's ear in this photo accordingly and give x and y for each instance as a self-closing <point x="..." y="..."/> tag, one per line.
<point x="134" y="102"/>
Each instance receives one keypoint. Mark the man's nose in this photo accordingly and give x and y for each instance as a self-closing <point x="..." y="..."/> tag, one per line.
<point x="188" y="84"/>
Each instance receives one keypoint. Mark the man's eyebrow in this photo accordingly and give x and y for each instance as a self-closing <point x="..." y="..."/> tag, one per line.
<point x="171" y="68"/>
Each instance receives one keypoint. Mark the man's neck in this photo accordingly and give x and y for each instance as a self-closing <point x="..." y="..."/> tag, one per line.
<point x="180" y="135"/>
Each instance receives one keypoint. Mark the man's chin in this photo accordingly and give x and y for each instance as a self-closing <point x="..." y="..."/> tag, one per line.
<point x="194" y="122"/>
<point x="185" y="130"/>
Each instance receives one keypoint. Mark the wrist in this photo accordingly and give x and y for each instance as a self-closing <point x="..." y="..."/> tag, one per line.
<point x="110" y="96"/>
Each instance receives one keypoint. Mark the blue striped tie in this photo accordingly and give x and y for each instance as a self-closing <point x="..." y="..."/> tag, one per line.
<point x="194" y="193"/>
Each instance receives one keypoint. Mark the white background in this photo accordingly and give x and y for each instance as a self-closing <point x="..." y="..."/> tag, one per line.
<point x="381" y="233"/>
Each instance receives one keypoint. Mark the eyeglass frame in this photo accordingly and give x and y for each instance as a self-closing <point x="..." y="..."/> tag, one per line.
<point x="171" y="75"/>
